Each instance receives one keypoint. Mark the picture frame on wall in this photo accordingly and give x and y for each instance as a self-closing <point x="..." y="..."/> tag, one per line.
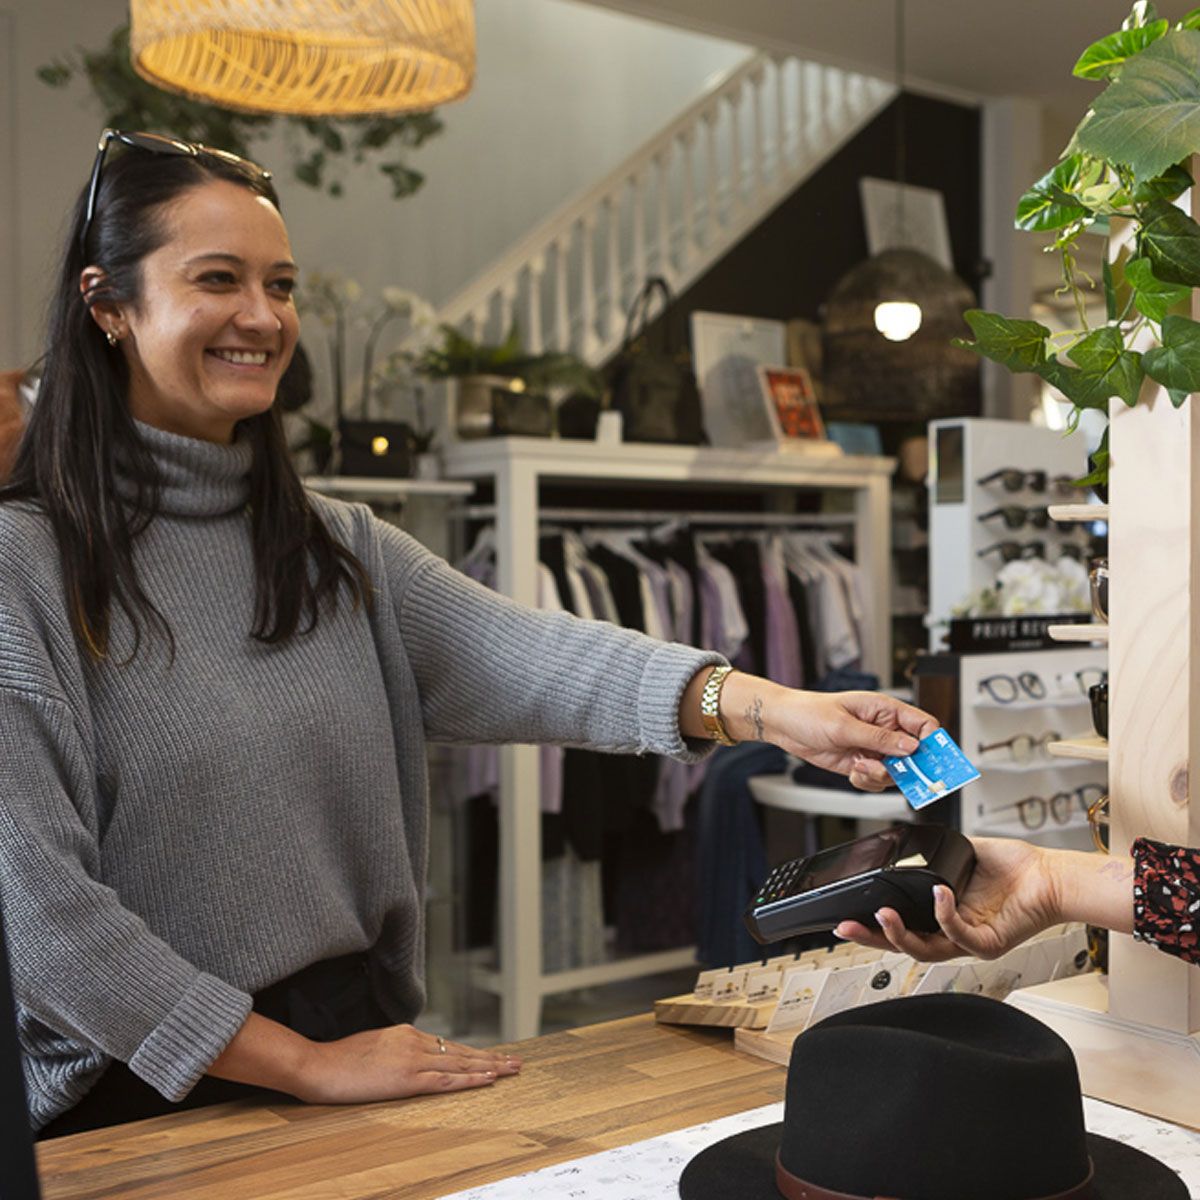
<point x="791" y="405"/>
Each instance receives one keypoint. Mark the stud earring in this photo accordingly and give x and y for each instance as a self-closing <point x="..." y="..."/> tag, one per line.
<point x="111" y="337"/>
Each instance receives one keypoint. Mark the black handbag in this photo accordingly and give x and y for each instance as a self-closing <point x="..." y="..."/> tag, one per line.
<point x="654" y="388"/>
<point x="376" y="448"/>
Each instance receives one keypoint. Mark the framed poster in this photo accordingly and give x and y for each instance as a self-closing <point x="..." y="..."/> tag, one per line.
<point x="791" y="404"/>
<point x="900" y="216"/>
<point x="727" y="352"/>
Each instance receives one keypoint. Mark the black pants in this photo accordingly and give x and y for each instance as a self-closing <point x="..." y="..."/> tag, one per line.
<point x="326" y="1001"/>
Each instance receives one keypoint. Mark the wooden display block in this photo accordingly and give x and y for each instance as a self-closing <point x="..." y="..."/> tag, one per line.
<point x="818" y="983"/>
<point x="731" y="1014"/>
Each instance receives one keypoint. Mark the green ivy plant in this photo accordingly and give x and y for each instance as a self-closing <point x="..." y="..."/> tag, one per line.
<point x="1123" y="163"/>
<point x="320" y="147"/>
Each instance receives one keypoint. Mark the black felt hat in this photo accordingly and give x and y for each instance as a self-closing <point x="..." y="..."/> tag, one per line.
<point x="940" y="1097"/>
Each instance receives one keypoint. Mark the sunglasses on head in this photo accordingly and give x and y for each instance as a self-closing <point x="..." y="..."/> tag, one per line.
<point x="154" y="143"/>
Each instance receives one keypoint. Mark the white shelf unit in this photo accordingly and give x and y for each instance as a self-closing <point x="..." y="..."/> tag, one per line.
<point x="964" y="451"/>
<point x="517" y="467"/>
<point x="988" y="805"/>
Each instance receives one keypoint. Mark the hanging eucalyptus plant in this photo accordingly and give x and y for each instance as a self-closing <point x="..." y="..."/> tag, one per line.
<point x="1123" y="164"/>
<point x="320" y="147"/>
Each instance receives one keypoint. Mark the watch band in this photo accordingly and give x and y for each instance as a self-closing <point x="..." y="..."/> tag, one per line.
<point x="710" y="706"/>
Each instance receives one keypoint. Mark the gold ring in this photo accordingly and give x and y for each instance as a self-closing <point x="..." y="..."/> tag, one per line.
<point x="441" y="1045"/>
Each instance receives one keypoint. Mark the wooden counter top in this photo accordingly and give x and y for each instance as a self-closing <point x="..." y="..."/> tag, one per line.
<point x="578" y="1092"/>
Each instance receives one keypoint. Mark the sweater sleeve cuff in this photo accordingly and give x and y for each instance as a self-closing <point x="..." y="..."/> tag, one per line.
<point x="666" y="675"/>
<point x="181" y="1048"/>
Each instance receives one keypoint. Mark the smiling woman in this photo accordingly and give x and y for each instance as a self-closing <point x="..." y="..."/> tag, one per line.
<point x="215" y="326"/>
<point x="213" y="790"/>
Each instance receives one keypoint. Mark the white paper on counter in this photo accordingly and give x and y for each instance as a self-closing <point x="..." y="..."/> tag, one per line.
<point x="650" y="1170"/>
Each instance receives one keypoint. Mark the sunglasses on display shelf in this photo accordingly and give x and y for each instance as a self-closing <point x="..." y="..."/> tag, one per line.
<point x="153" y="143"/>
<point x="1071" y="550"/>
<point x="1098" y="580"/>
<point x="1011" y="551"/>
<point x="1098" y="697"/>
<point x="1013" y="479"/>
<point x="1022" y="747"/>
<point x="1017" y="516"/>
<point x="1005" y="689"/>
<point x="1098" y="823"/>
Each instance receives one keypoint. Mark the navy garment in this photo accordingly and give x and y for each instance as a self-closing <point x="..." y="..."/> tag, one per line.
<point x="731" y="862"/>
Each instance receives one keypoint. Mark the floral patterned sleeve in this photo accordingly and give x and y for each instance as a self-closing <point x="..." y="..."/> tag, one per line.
<point x="1166" y="898"/>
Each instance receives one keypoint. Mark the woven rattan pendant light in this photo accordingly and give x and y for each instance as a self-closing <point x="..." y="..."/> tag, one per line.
<point x="309" y="57"/>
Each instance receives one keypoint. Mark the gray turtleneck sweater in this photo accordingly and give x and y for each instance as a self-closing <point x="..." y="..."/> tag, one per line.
<point x="177" y="836"/>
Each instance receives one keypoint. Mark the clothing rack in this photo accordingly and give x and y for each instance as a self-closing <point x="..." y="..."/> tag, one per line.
<point x="516" y="468"/>
<point x="615" y="516"/>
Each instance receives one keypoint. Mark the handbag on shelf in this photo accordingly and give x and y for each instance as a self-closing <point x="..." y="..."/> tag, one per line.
<point x="654" y="388"/>
<point x="376" y="448"/>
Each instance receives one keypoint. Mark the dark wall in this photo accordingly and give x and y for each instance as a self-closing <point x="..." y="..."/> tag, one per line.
<point x="787" y="266"/>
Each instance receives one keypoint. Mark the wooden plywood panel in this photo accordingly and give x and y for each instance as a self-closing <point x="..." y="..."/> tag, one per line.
<point x="1154" y="661"/>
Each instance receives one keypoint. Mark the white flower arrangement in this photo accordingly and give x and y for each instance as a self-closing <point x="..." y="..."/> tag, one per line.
<point x="1032" y="585"/>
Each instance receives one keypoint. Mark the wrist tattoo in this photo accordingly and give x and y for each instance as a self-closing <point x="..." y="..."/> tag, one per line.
<point x="754" y="717"/>
<point x="1117" y="870"/>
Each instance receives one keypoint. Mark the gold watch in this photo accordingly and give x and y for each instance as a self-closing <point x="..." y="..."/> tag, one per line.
<point x="710" y="706"/>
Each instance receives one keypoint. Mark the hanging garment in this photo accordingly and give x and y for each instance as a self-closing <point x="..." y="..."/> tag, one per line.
<point x="783" y="634"/>
<point x="731" y="861"/>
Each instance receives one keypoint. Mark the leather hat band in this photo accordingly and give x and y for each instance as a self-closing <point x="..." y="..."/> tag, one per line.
<point x="792" y="1188"/>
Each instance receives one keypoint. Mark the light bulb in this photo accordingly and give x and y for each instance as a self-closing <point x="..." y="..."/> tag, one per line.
<point x="897" y="320"/>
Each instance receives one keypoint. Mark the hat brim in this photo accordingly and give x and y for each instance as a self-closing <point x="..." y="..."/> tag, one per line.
<point x="744" y="1166"/>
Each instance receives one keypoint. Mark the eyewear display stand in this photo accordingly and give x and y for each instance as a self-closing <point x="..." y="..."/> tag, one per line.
<point x="1014" y="703"/>
<point x="517" y="469"/>
<point x="1137" y="1035"/>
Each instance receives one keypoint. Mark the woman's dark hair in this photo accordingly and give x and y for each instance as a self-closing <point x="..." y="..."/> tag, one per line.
<point x="81" y="429"/>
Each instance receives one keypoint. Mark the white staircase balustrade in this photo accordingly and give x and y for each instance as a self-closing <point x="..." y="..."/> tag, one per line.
<point x="673" y="208"/>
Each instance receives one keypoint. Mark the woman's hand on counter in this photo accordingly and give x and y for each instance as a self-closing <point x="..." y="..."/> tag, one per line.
<point x="399" y="1061"/>
<point x="378" y="1064"/>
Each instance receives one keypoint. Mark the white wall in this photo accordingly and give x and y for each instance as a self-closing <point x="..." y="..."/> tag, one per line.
<point x="564" y="92"/>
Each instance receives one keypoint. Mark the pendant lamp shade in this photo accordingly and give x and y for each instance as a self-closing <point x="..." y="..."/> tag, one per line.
<point x="307" y="57"/>
<point x="869" y="376"/>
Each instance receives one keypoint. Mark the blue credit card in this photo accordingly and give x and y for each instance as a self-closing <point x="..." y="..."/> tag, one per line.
<point x="937" y="768"/>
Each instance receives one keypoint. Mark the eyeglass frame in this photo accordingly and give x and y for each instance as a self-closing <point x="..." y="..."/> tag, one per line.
<point x="1019" y="683"/>
<point x="1035" y="743"/>
<point x="1011" y="551"/>
<point x="1036" y="516"/>
<point x="1046" y="806"/>
<point x="1098" y="819"/>
<point x="152" y="143"/>
<point x="1078" y="677"/>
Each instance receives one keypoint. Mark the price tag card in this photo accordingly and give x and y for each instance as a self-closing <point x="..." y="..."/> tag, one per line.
<point x="941" y="977"/>
<point x="843" y="990"/>
<point x="937" y="768"/>
<point x="800" y="992"/>
<point x="763" y="985"/>
<point x="706" y="983"/>
<point x="730" y="985"/>
<point x="886" y="977"/>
